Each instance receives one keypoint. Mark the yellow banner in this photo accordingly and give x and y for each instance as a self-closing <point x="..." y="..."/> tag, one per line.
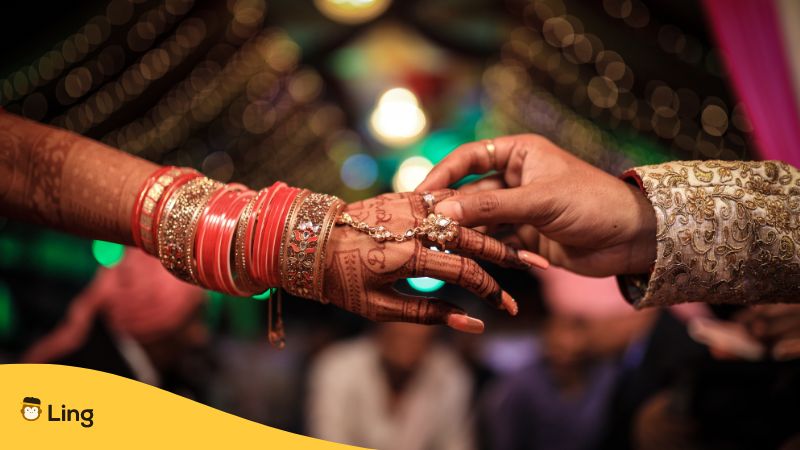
<point x="59" y="407"/>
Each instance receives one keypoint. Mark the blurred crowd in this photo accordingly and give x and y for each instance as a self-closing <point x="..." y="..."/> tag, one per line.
<point x="580" y="369"/>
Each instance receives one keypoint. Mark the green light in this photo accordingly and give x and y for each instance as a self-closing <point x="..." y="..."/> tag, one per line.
<point x="425" y="284"/>
<point x="213" y="311"/>
<point x="350" y="63"/>
<point x="11" y="251"/>
<point x="108" y="254"/>
<point x="439" y="144"/>
<point x="6" y="312"/>
<point x="264" y="295"/>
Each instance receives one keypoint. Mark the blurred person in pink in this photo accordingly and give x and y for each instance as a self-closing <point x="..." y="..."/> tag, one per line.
<point x="151" y="317"/>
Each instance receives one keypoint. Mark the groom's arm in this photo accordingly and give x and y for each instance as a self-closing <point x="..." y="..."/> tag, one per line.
<point x="728" y="232"/>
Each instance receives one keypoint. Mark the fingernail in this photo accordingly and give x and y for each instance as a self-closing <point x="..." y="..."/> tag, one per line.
<point x="465" y="323"/>
<point x="451" y="209"/>
<point x="510" y="304"/>
<point x="533" y="259"/>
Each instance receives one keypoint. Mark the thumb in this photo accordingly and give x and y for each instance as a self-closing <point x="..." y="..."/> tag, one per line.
<point x="510" y="206"/>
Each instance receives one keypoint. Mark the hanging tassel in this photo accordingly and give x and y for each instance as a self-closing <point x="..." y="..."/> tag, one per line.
<point x="276" y="333"/>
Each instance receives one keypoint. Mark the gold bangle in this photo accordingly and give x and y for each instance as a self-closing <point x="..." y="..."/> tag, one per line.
<point x="308" y="227"/>
<point x="328" y="207"/>
<point x="241" y="258"/>
<point x="287" y="227"/>
<point x="151" y="199"/>
<point x="178" y="224"/>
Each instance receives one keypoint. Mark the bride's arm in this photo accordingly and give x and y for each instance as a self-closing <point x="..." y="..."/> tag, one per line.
<point x="65" y="181"/>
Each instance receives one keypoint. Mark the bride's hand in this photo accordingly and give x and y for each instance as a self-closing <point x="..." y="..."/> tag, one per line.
<point x="359" y="271"/>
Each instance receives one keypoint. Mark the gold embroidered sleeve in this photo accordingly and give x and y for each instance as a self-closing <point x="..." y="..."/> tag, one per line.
<point x="728" y="232"/>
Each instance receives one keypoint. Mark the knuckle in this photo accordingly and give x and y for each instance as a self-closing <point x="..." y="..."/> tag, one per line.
<point x="487" y="202"/>
<point x="537" y="140"/>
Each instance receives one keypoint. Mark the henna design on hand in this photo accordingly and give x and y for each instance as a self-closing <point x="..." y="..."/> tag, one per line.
<point x="360" y="270"/>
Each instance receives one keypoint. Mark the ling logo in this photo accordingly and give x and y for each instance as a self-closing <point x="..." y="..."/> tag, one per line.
<point x="32" y="410"/>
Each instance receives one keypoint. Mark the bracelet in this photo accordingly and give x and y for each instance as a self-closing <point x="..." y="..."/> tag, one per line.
<point x="159" y="208"/>
<point x="137" y="205"/>
<point x="252" y="245"/>
<point x="143" y="217"/>
<point x="226" y="244"/>
<point x="308" y="226"/>
<point x="275" y="226"/>
<point x="178" y="224"/>
<point x="208" y="229"/>
<point x="241" y="257"/>
<point x="275" y="195"/>
<point x="235" y="240"/>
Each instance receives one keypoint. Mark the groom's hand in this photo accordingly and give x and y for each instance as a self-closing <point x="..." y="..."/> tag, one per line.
<point x="562" y="208"/>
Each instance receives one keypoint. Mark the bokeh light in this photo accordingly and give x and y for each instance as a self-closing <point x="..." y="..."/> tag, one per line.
<point x="265" y="295"/>
<point x="359" y="171"/>
<point x="411" y="173"/>
<point x="397" y="119"/>
<point x="108" y="254"/>
<point x="352" y="11"/>
<point x="425" y="284"/>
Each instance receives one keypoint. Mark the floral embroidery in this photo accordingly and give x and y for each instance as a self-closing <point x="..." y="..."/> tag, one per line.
<point x="699" y="204"/>
<point x="728" y="232"/>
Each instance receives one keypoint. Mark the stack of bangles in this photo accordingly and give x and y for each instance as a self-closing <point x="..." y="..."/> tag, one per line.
<point x="228" y="238"/>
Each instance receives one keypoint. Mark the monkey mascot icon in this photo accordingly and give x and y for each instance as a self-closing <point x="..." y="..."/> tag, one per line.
<point x="31" y="408"/>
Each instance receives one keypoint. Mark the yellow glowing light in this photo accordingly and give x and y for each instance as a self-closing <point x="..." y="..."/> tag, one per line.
<point x="397" y="119"/>
<point x="352" y="11"/>
<point x="411" y="173"/>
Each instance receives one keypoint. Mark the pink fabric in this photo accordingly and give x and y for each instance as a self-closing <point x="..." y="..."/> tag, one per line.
<point x="749" y="35"/>
<point x="571" y="295"/>
<point x="568" y="294"/>
<point x="138" y="298"/>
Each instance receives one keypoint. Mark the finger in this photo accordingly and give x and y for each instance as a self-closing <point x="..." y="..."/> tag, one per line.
<point x="513" y="206"/>
<point x="390" y="306"/>
<point x="513" y="241"/>
<point x="424" y="202"/>
<point x="767" y="312"/>
<point x="777" y="326"/>
<point x="786" y="349"/>
<point x="487" y="248"/>
<point x="470" y="158"/>
<point x="465" y="273"/>
<point x="517" y="236"/>
<point x="489" y="183"/>
<point x="442" y="194"/>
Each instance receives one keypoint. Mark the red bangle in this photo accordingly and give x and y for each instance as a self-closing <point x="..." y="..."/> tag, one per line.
<point x="207" y="227"/>
<point x="275" y="235"/>
<point x="216" y="241"/>
<point x="250" y="245"/>
<point x="137" y="207"/>
<point x="269" y="239"/>
<point x="277" y="193"/>
<point x="234" y="223"/>
<point x="243" y="243"/>
<point x="226" y="241"/>
<point x="145" y="214"/>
